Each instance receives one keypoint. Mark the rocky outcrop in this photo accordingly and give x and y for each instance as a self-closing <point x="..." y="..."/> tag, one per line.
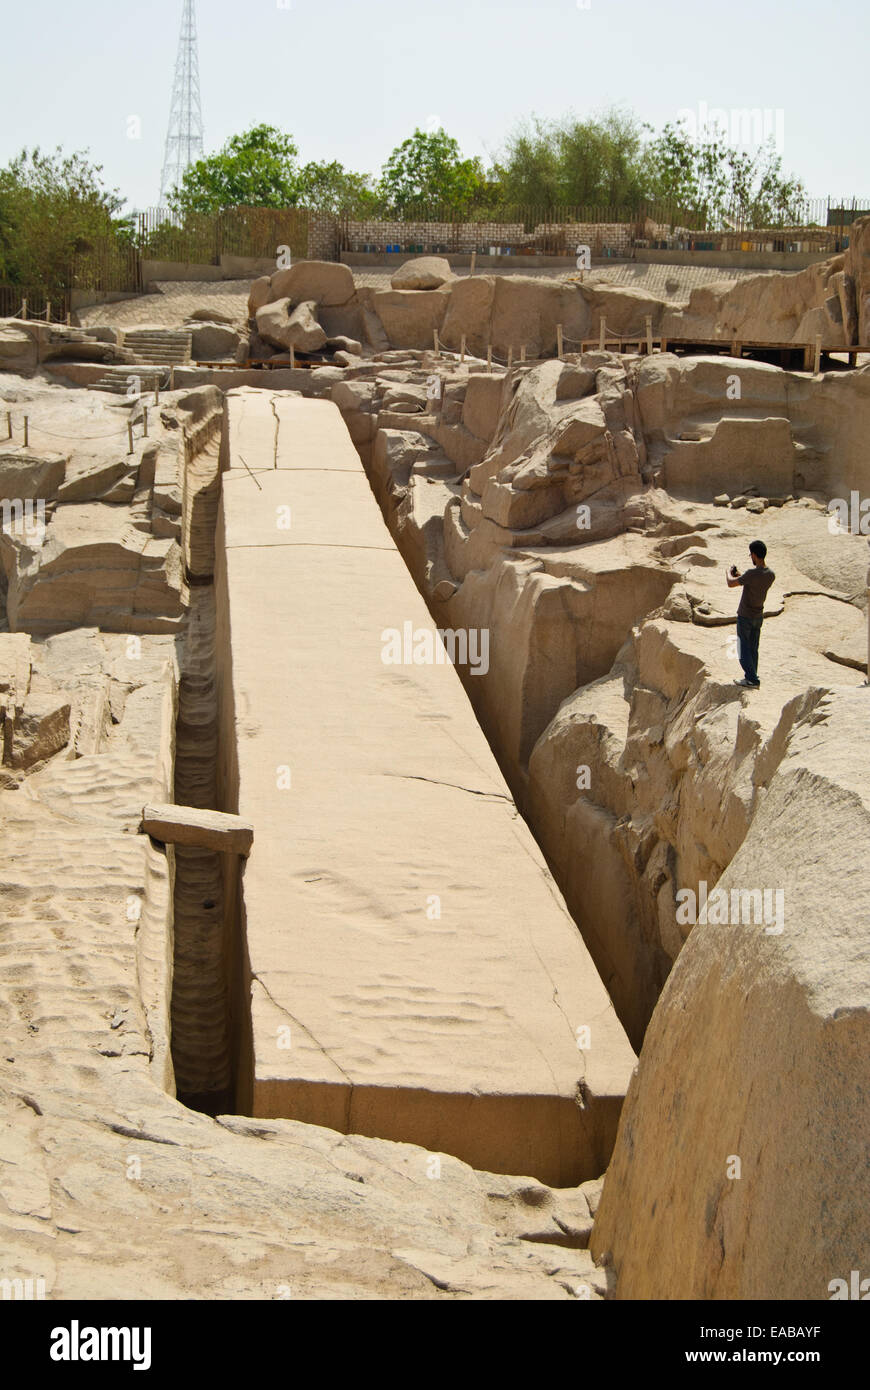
<point x="423" y="273"/>
<point x="512" y="314"/>
<point x="736" y="1169"/>
<point x="25" y="345"/>
<point x="410" y="317"/>
<point x="582" y="514"/>
<point x="94" y="725"/>
<point x="212" y="341"/>
<point x="91" y="535"/>
<point x="653" y="782"/>
<point x="88" y="1083"/>
<point x="772" y="309"/>
<point x="283" y="326"/>
<point x="320" y="282"/>
<point x="857" y="269"/>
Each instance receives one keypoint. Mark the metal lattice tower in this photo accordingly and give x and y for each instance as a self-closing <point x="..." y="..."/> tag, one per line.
<point x="184" y="136"/>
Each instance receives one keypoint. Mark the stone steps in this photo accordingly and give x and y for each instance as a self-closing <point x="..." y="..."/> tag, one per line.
<point x="163" y="347"/>
<point x="116" y="380"/>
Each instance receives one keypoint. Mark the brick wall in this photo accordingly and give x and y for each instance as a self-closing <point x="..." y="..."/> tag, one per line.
<point x="327" y="235"/>
<point x="322" y="237"/>
<point x="449" y="236"/>
<point x="565" y="237"/>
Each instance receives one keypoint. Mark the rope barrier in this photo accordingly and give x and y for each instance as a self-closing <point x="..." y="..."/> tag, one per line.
<point x="75" y="438"/>
<point x="610" y="338"/>
<point x="69" y="438"/>
<point x="39" y="318"/>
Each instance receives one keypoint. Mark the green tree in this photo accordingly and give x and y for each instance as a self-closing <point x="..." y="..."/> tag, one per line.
<point x="54" y="211"/>
<point x="332" y="188"/>
<point x="594" y="162"/>
<point x="760" y="195"/>
<point x="427" y="170"/>
<point x="720" y="185"/>
<point x="600" y="160"/>
<point x="255" y="169"/>
<point x="528" y="168"/>
<point x="690" y="174"/>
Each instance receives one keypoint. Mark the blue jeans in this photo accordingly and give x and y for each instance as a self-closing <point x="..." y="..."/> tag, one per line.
<point x="748" y="633"/>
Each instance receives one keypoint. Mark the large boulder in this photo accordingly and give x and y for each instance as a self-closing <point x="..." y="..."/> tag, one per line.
<point x="24" y="345"/>
<point x="351" y="346"/>
<point x="410" y="317"/>
<point x="213" y="341"/>
<point x="857" y="268"/>
<point x="624" y="310"/>
<point x="514" y="312"/>
<point x="468" y="314"/>
<point x="20" y="346"/>
<point x="482" y="404"/>
<point x="38" y="731"/>
<point x="323" y="282"/>
<point x="260" y="293"/>
<point x="286" y="327"/>
<point x="423" y="273"/>
<point x="733" y="455"/>
<point x="672" y="391"/>
<point x="789" y="308"/>
<point x="207" y="315"/>
<point x="18" y="350"/>
<point x="30" y="475"/>
<point x="736" y="1172"/>
<point x="343" y="321"/>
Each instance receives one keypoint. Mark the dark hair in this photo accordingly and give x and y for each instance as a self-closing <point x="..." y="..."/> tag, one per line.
<point x="758" y="548"/>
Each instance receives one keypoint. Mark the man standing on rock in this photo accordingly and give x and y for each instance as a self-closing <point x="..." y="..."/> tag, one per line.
<point x="750" y="614"/>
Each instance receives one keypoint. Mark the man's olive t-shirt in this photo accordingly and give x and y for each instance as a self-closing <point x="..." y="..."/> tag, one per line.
<point x="756" y="582"/>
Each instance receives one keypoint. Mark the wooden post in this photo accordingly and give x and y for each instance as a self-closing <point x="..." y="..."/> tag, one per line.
<point x="130" y="436"/>
<point x="26" y="432"/>
<point x="157" y="390"/>
<point x="649" y="335"/>
<point x="488" y="360"/>
<point x="817" y="358"/>
<point x="24" y="309"/>
<point x="473" y="261"/>
<point x="523" y="353"/>
<point x="435" y="341"/>
<point x="867" y="682"/>
<point x="601" y="334"/>
<point x="145" y="421"/>
<point x="510" y="358"/>
<point x="68" y="319"/>
<point x="462" y="351"/>
<point x="48" y="311"/>
<point x="560" y="346"/>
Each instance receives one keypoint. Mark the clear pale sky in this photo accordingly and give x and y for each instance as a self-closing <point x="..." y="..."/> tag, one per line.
<point x="350" y="79"/>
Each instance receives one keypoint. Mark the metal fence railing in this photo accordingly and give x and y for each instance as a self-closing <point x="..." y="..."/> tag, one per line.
<point x="203" y="238"/>
<point x="27" y="301"/>
<point x="112" y="261"/>
<point x="811" y="224"/>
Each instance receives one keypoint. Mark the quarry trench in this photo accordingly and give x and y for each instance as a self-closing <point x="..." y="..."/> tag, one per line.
<point x="506" y="1123"/>
<point x="454" y="1030"/>
<point x="220" y="1015"/>
<point x="213" y="1043"/>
